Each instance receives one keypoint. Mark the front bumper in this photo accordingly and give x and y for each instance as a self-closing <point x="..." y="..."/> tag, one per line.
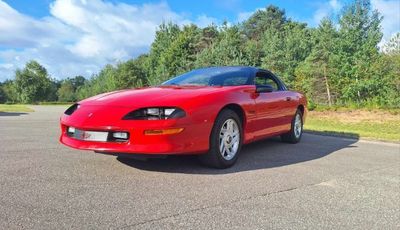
<point x="193" y="139"/>
<point x="139" y="143"/>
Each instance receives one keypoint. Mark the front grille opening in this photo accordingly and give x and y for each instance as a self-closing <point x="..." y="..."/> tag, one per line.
<point x="112" y="136"/>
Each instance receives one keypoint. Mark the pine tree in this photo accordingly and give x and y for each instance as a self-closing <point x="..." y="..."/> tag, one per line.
<point x="317" y="69"/>
<point x="359" y="35"/>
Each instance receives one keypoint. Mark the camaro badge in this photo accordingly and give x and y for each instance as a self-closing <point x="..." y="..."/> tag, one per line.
<point x="90" y="115"/>
<point x="85" y="135"/>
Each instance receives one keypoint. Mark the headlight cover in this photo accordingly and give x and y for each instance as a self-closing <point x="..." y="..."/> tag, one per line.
<point x="155" y="113"/>
<point x="71" y="109"/>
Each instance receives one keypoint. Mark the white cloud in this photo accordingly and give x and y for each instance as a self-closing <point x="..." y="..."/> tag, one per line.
<point x="204" y="21"/>
<point x="326" y="9"/>
<point x="390" y="10"/>
<point x="80" y="36"/>
<point x="336" y="5"/>
<point x="242" y="16"/>
<point x="17" y="29"/>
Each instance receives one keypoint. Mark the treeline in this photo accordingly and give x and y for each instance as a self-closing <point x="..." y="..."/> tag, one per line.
<point x="336" y="63"/>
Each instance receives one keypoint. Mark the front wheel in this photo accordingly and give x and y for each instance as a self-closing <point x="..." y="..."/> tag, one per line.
<point x="225" y="141"/>
<point x="296" y="130"/>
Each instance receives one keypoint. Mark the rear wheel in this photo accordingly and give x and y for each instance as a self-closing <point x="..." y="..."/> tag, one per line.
<point x="225" y="141"/>
<point x="296" y="131"/>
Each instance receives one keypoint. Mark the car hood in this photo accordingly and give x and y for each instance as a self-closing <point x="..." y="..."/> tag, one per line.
<point x="152" y="96"/>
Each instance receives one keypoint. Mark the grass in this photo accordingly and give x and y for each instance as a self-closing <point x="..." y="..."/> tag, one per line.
<point x="15" y="108"/>
<point x="366" y="124"/>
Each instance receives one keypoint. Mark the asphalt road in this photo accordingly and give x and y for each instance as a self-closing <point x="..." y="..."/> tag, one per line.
<point x="322" y="182"/>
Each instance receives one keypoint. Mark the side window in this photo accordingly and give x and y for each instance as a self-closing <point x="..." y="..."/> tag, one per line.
<point x="230" y="78"/>
<point x="263" y="78"/>
<point x="235" y="80"/>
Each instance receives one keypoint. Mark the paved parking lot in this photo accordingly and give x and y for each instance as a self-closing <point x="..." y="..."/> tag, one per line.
<point x="322" y="182"/>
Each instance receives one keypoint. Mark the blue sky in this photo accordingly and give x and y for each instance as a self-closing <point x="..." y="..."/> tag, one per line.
<point x="221" y="10"/>
<point x="71" y="37"/>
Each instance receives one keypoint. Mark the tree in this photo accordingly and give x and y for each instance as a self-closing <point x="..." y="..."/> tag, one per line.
<point x="206" y="38"/>
<point x="3" y="96"/>
<point x="359" y="35"/>
<point x="130" y="74"/>
<point x="314" y="74"/>
<point x="386" y="75"/>
<point x="77" y="81"/>
<point x="165" y="36"/>
<point x="275" y="42"/>
<point x="227" y="50"/>
<point x="285" y="48"/>
<point x="8" y="88"/>
<point x="66" y="93"/>
<point x="32" y="84"/>
<point x="52" y="93"/>
<point x="69" y="88"/>
<point x="180" y="56"/>
<point x="392" y="47"/>
<point x="272" y="18"/>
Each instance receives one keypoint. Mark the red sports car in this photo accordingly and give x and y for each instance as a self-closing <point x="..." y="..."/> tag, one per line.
<point x="211" y="112"/>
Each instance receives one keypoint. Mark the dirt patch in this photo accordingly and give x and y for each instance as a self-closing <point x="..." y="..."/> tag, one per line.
<point x="356" y="116"/>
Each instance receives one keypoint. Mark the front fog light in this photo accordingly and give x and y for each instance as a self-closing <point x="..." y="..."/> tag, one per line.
<point x="120" y="135"/>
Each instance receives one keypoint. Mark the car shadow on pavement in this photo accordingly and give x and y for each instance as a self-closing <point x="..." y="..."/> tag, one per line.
<point x="11" y="114"/>
<point x="262" y="154"/>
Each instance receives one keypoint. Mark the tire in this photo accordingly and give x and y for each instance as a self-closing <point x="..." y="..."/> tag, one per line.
<point x="224" y="144"/>
<point x="296" y="130"/>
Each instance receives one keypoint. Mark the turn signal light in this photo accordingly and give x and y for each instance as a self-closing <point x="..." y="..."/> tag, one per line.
<point x="163" y="131"/>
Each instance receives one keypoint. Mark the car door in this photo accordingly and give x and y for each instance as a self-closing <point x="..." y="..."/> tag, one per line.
<point x="271" y="107"/>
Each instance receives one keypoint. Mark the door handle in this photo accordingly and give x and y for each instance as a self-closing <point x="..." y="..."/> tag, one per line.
<point x="288" y="98"/>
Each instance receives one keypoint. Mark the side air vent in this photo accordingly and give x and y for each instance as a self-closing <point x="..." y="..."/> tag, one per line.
<point x="71" y="109"/>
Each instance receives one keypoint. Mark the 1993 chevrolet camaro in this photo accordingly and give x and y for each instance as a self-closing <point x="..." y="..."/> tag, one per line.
<point x="210" y="112"/>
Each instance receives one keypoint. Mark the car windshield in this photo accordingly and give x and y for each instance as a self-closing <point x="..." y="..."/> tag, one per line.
<point x="227" y="76"/>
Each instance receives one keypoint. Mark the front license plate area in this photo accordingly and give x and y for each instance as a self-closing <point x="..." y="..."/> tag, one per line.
<point x="90" y="135"/>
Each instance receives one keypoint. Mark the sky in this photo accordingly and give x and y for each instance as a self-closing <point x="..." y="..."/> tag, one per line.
<point x="79" y="37"/>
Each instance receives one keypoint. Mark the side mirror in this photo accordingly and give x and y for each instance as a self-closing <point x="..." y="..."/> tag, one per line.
<point x="264" y="89"/>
